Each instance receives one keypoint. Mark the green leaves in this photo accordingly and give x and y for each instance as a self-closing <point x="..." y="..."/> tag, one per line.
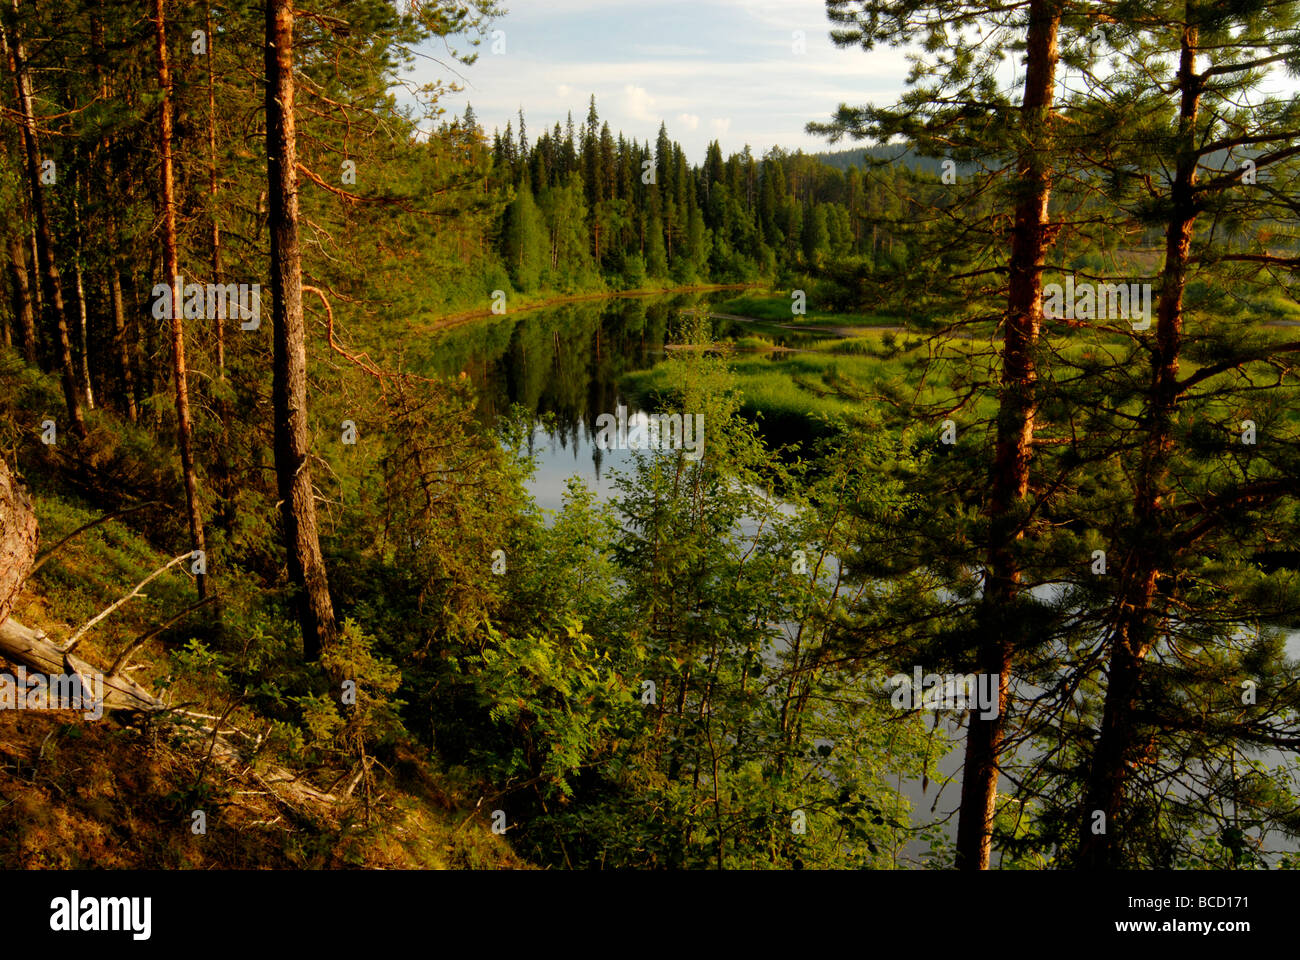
<point x="562" y="695"/>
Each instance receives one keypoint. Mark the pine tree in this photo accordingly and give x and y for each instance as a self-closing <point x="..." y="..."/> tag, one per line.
<point x="15" y="53"/>
<point x="292" y="434"/>
<point x="816" y="237"/>
<point x="172" y="273"/>
<point x="929" y="119"/>
<point x="1184" y="488"/>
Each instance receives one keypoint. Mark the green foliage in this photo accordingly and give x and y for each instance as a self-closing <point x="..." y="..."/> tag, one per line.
<point x="707" y="766"/>
<point x="523" y="240"/>
<point x="563" y="696"/>
<point x="362" y="713"/>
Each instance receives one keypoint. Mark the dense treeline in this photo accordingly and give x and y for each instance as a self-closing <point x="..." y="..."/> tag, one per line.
<point x="586" y="205"/>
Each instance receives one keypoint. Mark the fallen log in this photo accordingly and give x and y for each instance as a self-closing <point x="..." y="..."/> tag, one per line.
<point x="33" y="649"/>
<point x="23" y="646"/>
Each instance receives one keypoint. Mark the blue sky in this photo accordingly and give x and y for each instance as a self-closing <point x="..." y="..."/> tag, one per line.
<point x="711" y="69"/>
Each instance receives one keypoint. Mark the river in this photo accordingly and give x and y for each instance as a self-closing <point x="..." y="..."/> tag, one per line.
<point x="563" y="364"/>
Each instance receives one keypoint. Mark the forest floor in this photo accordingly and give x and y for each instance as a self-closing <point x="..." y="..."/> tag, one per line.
<point x="114" y="792"/>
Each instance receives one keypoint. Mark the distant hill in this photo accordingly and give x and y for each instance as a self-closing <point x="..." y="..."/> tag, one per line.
<point x="858" y="157"/>
<point x="1220" y="160"/>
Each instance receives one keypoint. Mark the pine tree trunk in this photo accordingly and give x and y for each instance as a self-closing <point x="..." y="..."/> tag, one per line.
<point x="87" y="387"/>
<point x="48" y="266"/>
<point x="39" y="294"/>
<point x="18" y="539"/>
<point x="222" y="472"/>
<point x="146" y="344"/>
<point x="999" y="625"/>
<point x="24" y="313"/>
<point x="1134" y="633"/>
<point x="212" y="199"/>
<point x="289" y="388"/>
<point x="171" y="269"/>
<point x="120" y="346"/>
<point x="123" y="343"/>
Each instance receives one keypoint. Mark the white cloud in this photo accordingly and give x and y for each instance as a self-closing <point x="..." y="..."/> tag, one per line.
<point x="669" y="50"/>
<point x="750" y="82"/>
<point x="639" y="104"/>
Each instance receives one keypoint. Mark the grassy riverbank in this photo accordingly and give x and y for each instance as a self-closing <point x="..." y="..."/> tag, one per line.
<point x="811" y="391"/>
<point x="540" y="300"/>
<point x="776" y="306"/>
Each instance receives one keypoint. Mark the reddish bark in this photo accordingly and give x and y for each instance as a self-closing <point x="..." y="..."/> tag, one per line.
<point x="1137" y="621"/>
<point x="289" y="381"/>
<point x="171" y="269"/>
<point x="1010" y="477"/>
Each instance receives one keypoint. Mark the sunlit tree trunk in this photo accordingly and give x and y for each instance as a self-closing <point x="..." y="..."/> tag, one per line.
<point x="999" y="624"/>
<point x="1135" y="629"/>
<point x="87" y="387"/>
<point x="212" y="196"/>
<point x="123" y="343"/>
<point x="289" y="387"/>
<point x="171" y="269"/>
<point x="24" y="314"/>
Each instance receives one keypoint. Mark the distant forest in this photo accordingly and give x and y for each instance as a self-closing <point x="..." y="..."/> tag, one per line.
<point x="587" y="204"/>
